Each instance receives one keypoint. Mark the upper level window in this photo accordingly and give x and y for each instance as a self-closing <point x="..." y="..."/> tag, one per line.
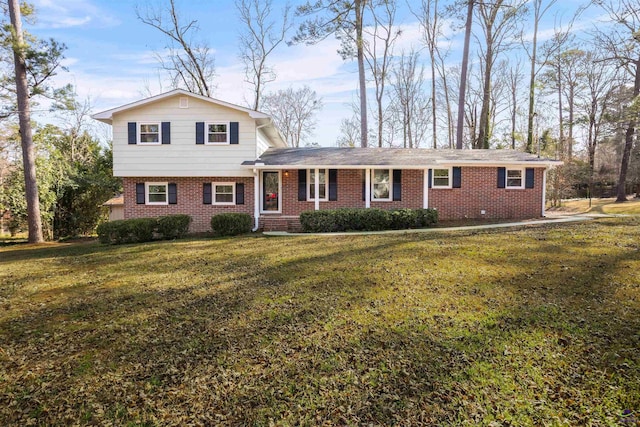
<point x="223" y="193"/>
<point x="156" y="193"/>
<point x="322" y="181"/>
<point x="441" y="178"/>
<point x="217" y="133"/>
<point x="381" y="183"/>
<point x="149" y="133"/>
<point x="515" y="178"/>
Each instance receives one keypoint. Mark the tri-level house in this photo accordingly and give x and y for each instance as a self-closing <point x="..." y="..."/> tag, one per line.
<point x="179" y="152"/>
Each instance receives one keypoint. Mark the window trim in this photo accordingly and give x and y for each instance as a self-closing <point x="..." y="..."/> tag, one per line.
<point x="146" y="193"/>
<point x="389" y="183"/>
<point x="506" y="179"/>
<point x="139" y="135"/>
<point x="310" y="173"/>
<point x="262" y="210"/>
<point x="206" y="133"/>
<point x="449" y="176"/>
<point x="213" y="193"/>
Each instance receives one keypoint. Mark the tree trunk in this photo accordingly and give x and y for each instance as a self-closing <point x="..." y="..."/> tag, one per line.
<point x="532" y="82"/>
<point x="26" y="137"/>
<point x="359" y="6"/>
<point x="483" y="126"/>
<point x="628" y="138"/>
<point x="463" y="75"/>
<point x="571" y="114"/>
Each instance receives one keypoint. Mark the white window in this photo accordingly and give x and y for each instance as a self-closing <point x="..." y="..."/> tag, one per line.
<point x="149" y="133"/>
<point x="515" y="178"/>
<point x="224" y="193"/>
<point x="381" y="184"/>
<point x="311" y="184"/>
<point x="217" y="133"/>
<point x="441" y="178"/>
<point x="156" y="193"/>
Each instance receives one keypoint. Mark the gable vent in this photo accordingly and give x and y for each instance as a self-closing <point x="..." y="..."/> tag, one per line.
<point x="184" y="102"/>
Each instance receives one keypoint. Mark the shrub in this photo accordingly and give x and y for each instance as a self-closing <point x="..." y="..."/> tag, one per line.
<point x="231" y="224"/>
<point x="133" y="230"/>
<point x="354" y="219"/>
<point x="173" y="226"/>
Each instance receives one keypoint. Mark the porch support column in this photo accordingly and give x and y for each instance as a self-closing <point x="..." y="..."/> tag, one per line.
<point x="256" y="199"/>
<point x="316" y="185"/>
<point x="367" y="188"/>
<point x="544" y="190"/>
<point x="425" y="189"/>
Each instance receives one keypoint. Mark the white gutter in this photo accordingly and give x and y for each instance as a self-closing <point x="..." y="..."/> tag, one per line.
<point x="389" y="166"/>
<point x="256" y="201"/>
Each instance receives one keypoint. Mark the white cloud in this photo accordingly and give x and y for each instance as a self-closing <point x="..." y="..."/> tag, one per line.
<point x="57" y="14"/>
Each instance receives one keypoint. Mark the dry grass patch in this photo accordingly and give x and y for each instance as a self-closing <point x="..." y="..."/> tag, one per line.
<point x="537" y="326"/>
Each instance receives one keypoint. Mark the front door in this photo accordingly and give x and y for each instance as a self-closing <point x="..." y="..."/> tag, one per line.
<point x="270" y="191"/>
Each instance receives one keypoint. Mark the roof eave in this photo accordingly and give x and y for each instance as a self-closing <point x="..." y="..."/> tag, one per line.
<point x="442" y="163"/>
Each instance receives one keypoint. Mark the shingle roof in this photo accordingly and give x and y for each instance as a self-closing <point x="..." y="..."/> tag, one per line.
<point x="392" y="157"/>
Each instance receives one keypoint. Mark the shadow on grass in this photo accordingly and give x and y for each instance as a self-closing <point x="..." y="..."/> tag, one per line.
<point x="439" y="329"/>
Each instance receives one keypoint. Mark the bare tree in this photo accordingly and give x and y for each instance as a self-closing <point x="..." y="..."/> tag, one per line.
<point x="378" y="52"/>
<point x="346" y="20"/>
<point x="514" y="77"/>
<point x="349" y="133"/>
<point x="259" y="38"/>
<point x="429" y="17"/>
<point x="622" y="42"/>
<point x="499" y="21"/>
<point x="549" y="49"/>
<point x="189" y="64"/>
<point x="600" y="79"/>
<point x="412" y="104"/>
<point x="293" y="112"/>
<point x="463" y="75"/>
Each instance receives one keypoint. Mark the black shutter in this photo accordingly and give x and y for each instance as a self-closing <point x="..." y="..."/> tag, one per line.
<point x="132" y="128"/>
<point x="529" y="178"/>
<point x="166" y="132"/>
<point x="199" y="132"/>
<point x="239" y="193"/>
<point x="234" y="136"/>
<point x="333" y="185"/>
<point x="397" y="185"/>
<point x="302" y="185"/>
<point x="206" y="193"/>
<point x="364" y="185"/>
<point x="430" y="177"/>
<point x="173" y="194"/>
<point x="457" y="177"/>
<point x="502" y="175"/>
<point x="140" y="193"/>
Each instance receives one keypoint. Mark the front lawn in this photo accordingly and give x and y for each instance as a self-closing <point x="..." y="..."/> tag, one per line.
<point x="536" y="326"/>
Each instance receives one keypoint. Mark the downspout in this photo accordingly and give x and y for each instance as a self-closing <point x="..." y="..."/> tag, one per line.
<point x="425" y="190"/>
<point x="367" y="190"/>
<point x="544" y="190"/>
<point x="256" y="200"/>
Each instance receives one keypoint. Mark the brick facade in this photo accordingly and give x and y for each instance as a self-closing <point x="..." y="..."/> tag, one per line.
<point x="189" y="191"/>
<point x="478" y="192"/>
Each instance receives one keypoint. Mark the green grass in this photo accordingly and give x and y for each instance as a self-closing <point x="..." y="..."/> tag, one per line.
<point x="607" y="206"/>
<point x="527" y="327"/>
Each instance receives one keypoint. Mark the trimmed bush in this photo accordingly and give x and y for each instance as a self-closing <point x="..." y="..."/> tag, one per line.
<point x="135" y="230"/>
<point x="173" y="226"/>
<point x="373" y="219"/>
<point x="231" y="224"/>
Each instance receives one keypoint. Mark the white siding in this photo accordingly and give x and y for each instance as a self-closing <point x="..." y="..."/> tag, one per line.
<point x="262" y="143"/>
<point x="183" y="157"/>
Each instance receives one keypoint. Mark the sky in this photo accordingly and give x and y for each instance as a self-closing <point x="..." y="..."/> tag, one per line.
<point x="111" y="55"/>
